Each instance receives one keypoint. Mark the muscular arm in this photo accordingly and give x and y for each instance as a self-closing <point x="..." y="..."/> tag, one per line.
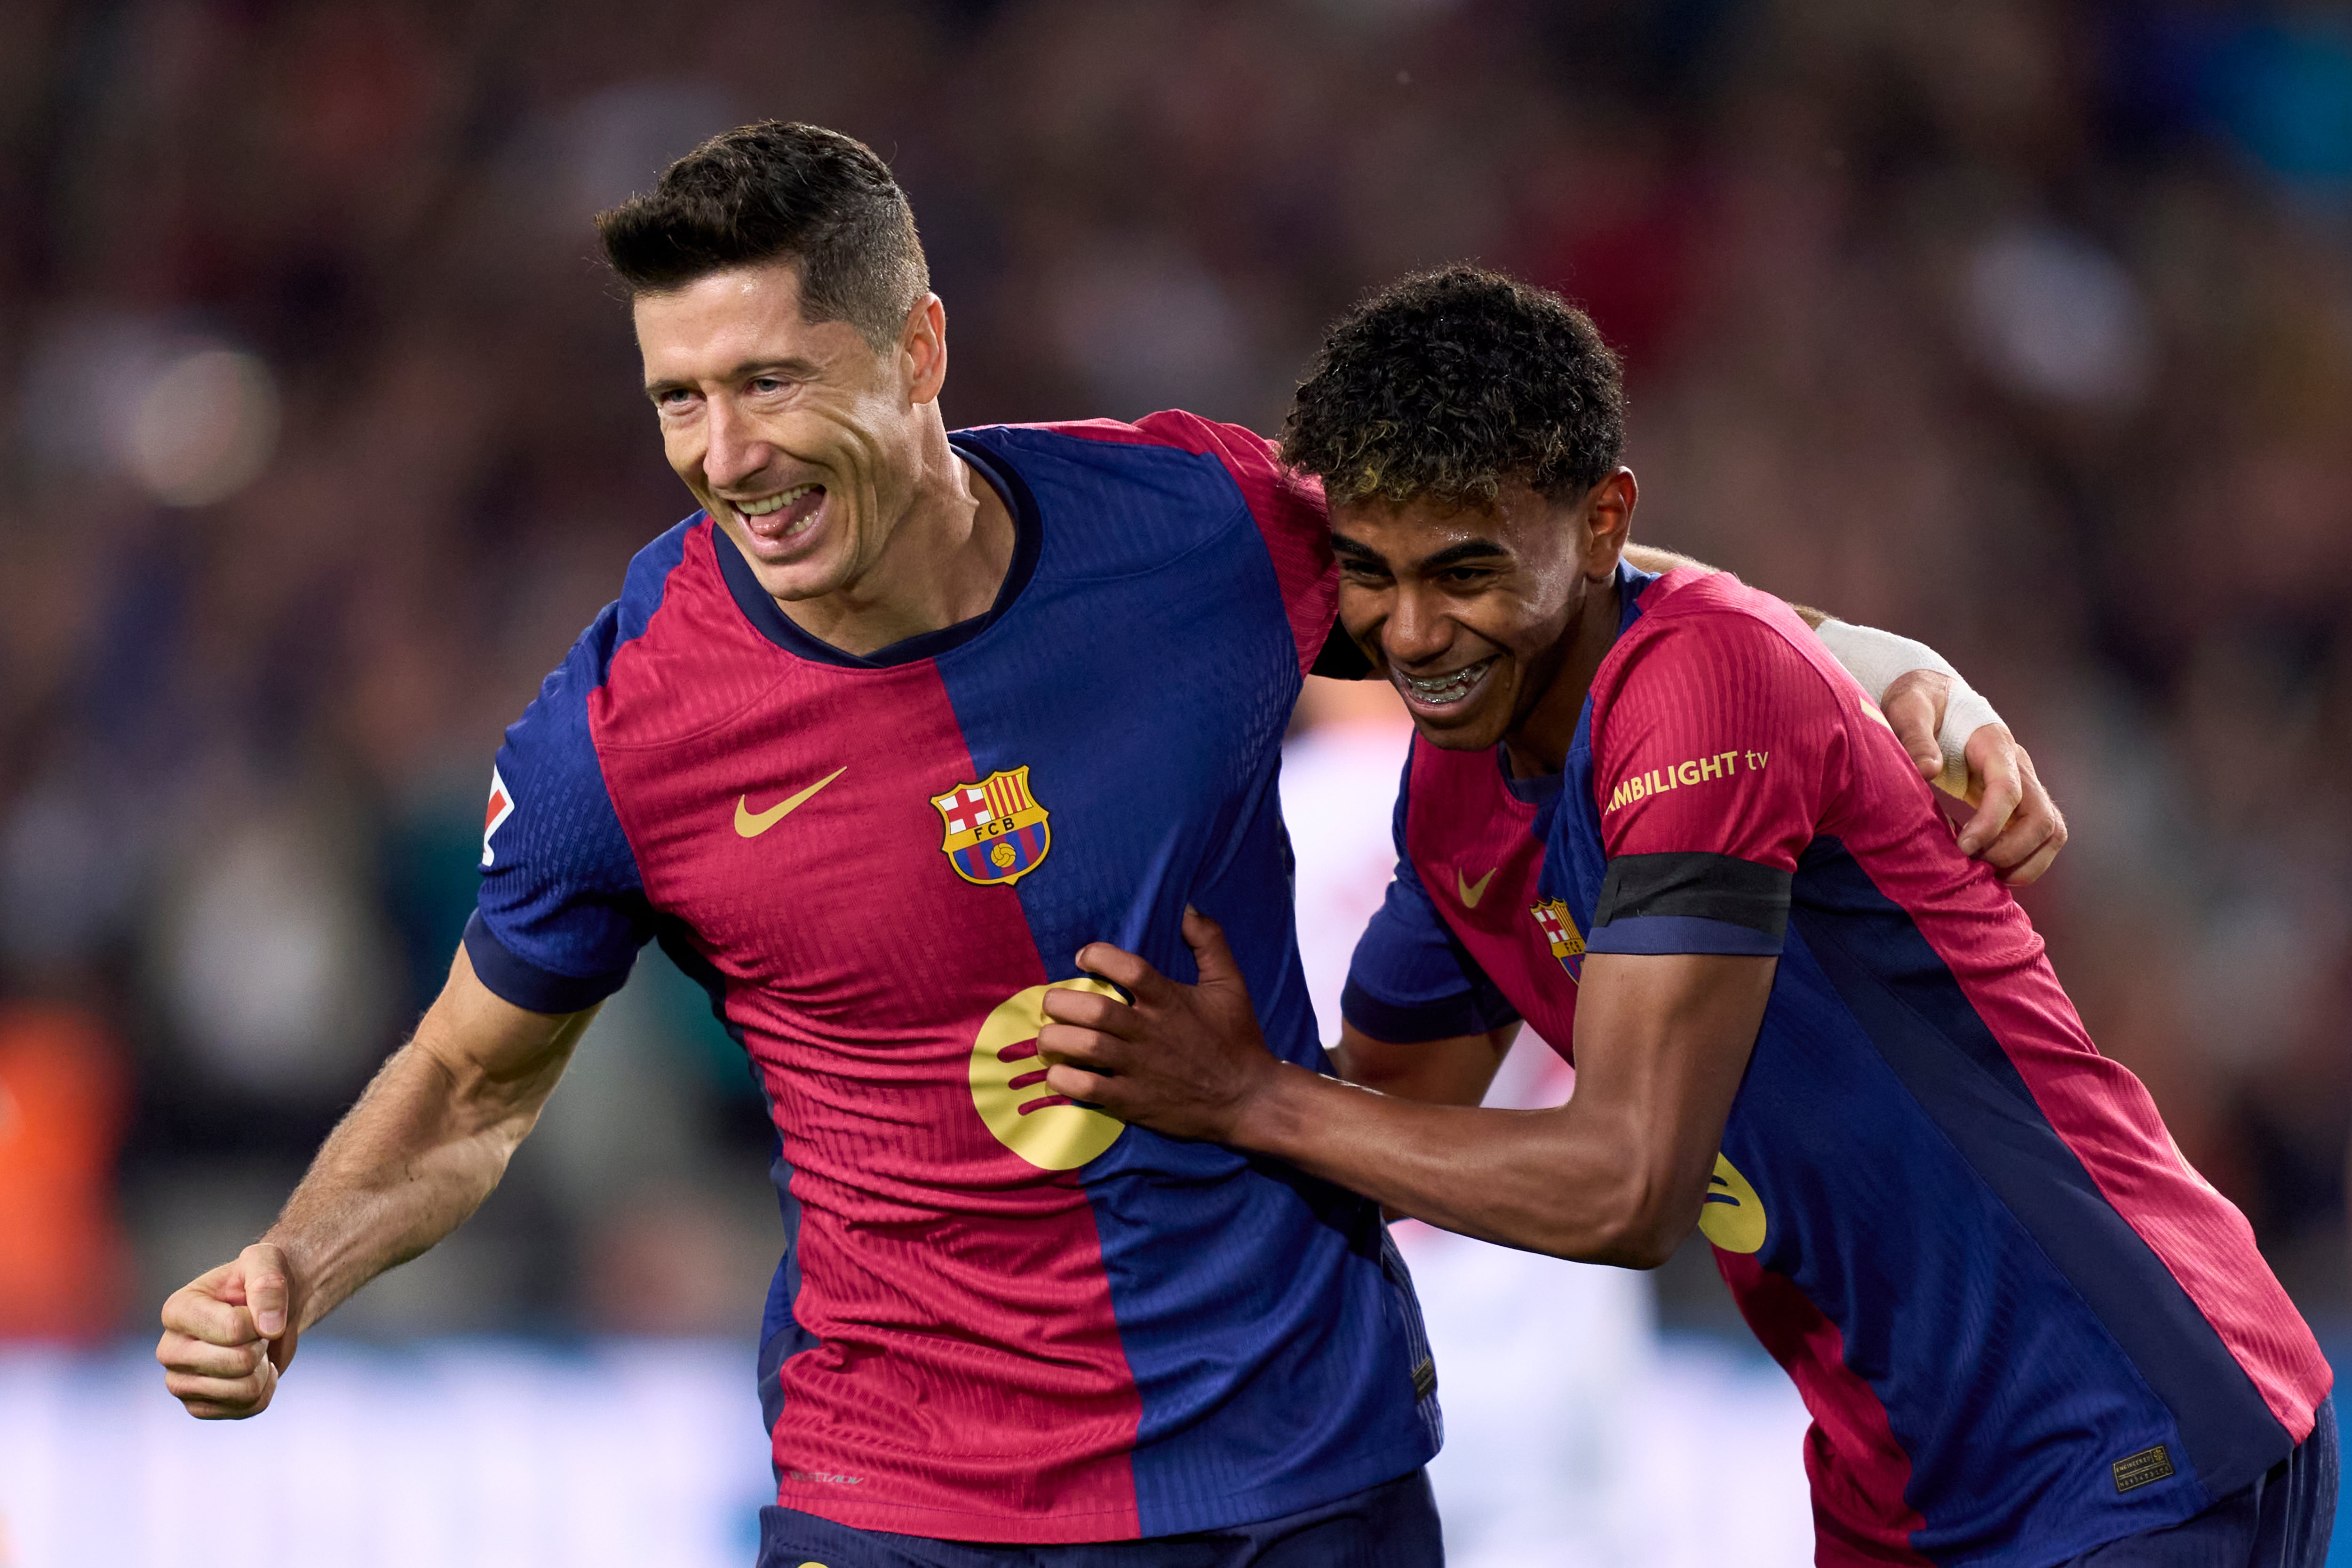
<point x="418" y="1153"/>
<point x="1616" y="1175"/>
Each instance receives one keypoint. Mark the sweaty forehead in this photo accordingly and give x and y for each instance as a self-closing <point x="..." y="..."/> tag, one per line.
<point x="1518" y="521"/>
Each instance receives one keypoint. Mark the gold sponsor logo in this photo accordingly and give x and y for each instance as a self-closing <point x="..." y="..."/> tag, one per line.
<point x="1696" y="771"/>
<point x="1733" y="1215"/>
<point x="1010" y="1091"/>
<point x="1471" y="891"/>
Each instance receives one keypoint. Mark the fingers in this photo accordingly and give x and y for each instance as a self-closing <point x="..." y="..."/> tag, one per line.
<point x="2041" y="861"/>
<point x="195" y="1358"/>
<point x="218" y="1383"/>
<point x="1210" y="953"/>
<point x="1091" y="1010"/>
<point x="223" y="1398"/>
<point x="1913" y="707"/>
<point x="1995" y="774"/>
<point x="227" y="1334"/>
<point x="2034" y="835"/>
<point x="1060" y="1043"/>
<point x="1121" y="968"/>
<point x="1092" y="1088"/>
<point x="199" y="1311"/>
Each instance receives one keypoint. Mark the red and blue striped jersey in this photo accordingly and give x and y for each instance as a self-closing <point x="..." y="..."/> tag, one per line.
<point x="2023" y="1323"/>
<point x="1001" y="1316"/>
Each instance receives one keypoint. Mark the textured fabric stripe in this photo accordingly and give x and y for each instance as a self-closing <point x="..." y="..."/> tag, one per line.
<point x="1699" y="884"/>
<point x="1288" y="507"/>
<point x="1666" y="934"/>
<point x="2102" y="1113"/>
<point x="1906" y="997"/>
<point x="1849" y="1421"/>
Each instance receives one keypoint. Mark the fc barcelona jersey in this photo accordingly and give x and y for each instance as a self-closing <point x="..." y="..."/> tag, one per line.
<point x="2023" y="1325"/>
<point x="1000" y="1316"/>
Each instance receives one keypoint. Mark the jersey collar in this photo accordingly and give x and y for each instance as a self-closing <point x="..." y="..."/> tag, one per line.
<point x="771" y="623"/>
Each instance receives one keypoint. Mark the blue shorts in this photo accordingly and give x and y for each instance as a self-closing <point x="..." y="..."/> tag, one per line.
<point x="1393" y="1525"/>
<point x="2283" y="1521"/>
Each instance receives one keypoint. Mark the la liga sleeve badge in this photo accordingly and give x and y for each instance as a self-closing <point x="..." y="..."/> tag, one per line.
<point x="502" y="807"/>
<point x="993" y="830"/>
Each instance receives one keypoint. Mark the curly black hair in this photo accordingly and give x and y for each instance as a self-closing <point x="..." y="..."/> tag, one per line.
<point x="1450" y="382"/>
<point x="773" y="191"/>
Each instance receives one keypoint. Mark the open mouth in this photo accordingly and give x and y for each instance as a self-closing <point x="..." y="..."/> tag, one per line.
<point x="1451" y="690"/>
<point x="783" y="516"/>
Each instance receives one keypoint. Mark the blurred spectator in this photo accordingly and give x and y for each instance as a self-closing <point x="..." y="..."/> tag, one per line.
<point x="2024" y="328"/>
<point x="62" y="1099"/>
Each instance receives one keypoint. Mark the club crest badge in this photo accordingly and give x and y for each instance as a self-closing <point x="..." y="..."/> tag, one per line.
<point x="1560" y="930"/>
<point x="995" y="831"/>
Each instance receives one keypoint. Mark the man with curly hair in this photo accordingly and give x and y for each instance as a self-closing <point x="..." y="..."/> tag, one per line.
<point x="1648" y="813"/>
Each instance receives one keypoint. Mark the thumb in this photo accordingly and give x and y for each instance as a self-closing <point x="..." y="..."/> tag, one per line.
<point x="1211" y="955"/>
<point x="1913" y="707"/>
<point x="267" y="1292"/>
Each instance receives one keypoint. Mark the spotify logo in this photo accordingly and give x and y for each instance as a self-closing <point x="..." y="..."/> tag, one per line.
<point x="1733" y="1215"/>
<point x="1010" y="1091"/>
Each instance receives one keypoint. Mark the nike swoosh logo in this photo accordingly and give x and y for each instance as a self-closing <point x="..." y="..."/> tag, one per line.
<point x="1471" y="891"/>
<point x="751" y="824"/>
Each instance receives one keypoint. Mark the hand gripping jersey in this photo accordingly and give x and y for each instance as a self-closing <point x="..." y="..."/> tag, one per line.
<point x="1000" y="1316"/>
<point x="2023" y="1323"/>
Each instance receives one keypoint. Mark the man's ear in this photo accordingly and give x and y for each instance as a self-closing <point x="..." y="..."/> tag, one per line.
<point x="923" y="349"/>
<point x="1609" y="521"/>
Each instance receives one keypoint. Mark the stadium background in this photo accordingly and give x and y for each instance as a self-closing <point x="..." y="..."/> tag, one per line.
<point x="2023" y="327"/>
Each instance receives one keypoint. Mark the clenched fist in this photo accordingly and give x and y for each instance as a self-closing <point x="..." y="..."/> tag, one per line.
<point x="227" y="1334"/>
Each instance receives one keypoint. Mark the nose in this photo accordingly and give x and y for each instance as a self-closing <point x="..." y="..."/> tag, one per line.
<point x="1417" y="629"/>
<point x="735" y="452"/>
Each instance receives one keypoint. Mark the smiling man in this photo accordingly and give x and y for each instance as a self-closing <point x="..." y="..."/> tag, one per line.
<point x="870" y="744"/>
<point x="1649" y="815"/>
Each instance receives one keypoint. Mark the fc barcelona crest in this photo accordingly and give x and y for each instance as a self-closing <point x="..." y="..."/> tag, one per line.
<point x="995" y="830"/>
<point x="1559" y="932"/>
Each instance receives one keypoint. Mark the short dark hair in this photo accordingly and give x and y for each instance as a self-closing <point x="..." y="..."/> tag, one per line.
<point x="774" y="191"/>
<point x="1450" y="382"/>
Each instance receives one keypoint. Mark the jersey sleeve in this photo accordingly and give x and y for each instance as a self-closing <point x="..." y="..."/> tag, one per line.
<point x="1410" y="980"/>
<point x="561" y="911"/>
<point x="1290" y="516"/>
<point x="1710" y="770"/>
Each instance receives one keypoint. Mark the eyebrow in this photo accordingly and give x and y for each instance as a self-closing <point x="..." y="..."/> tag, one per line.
<point x="1468" y="550"/>
<point x="1451" y="555"/>
<point x="748" y="367"/>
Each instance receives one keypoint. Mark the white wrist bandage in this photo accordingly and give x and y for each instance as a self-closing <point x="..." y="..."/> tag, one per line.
<point x="1875" y="658"/>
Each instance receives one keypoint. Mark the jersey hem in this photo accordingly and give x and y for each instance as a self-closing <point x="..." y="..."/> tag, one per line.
<point x="1253" y="1505"/>
<point x="1414" y="1024"/>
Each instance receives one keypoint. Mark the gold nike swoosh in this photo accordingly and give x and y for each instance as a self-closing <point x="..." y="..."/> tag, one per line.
<point x="1471" y="891"/>
<point x="751" y="824"/>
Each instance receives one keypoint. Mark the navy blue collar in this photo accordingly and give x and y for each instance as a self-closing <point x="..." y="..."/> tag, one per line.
<point x="765" y="614"/>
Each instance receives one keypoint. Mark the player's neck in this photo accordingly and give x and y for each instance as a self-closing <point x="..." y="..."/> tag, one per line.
<point x="945" y="561"/>
<point x="1538" y="745"/>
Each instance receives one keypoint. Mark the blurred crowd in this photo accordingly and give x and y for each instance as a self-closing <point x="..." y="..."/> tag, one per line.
<point x="2022" y="326"/>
